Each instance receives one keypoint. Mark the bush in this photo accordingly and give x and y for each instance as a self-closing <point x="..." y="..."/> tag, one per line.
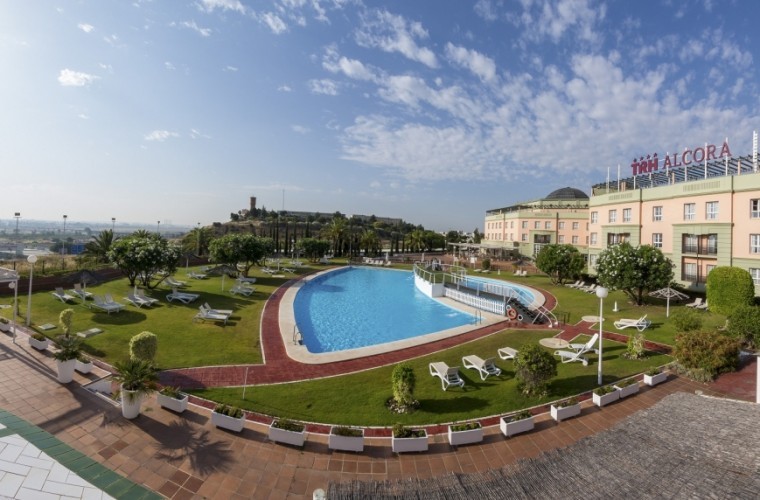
<point x="65" y="320"/>
<point x="469" y="426"/>
<point x="400" y="431"/>
<point x="403" y="380"/>
<point x="143" y="346"/>
<point x="635" y="348"/>
<point x="686" y="320"/>
<point x="744" y="324"/>
<point x="534" y="367"/>
<point x="702" y="356"/>
<point x="230" y="411"/>
<point x="288" y="425"/>
<point x="342" y="430"/>
<point x="520" y="415"/>
<point x="485" y="264"/>
<point x="172" y="392"/>
<point x="605" y="389"/>
<point x="728" y="288"/>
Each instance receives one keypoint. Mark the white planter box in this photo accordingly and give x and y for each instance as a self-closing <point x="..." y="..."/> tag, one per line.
<point x="65" y="370"/>
<point x="516" y="426"/>
<point x="83" y="367"/>
<point x="560" y="414"/>
<point x="345" y="443"/>
<point x="173" y="404"/>
<point x="652" y="380"/>
<point x="628" y="390"/>
<point x="605" y="399"/>
<point x="288" y="437"/>
<point x="40" y="345"/>
<point x="401" y="445"/>
<point x="5" y="327"/>
<point x="227" y="422"/>
<point x="457" y="438"/>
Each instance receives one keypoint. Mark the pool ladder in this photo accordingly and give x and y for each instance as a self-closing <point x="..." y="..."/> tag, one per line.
<point x="297" y="337"/>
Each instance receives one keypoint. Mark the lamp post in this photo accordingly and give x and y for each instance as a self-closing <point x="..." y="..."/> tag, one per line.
<point x="31" y="260"/>
<point x="13" y="286"/>
<point x="198" y="241"/>
<point x="113" y="224"/>
<point x="601" y="292"/>
<point x="158" y="227"/>
<point x="17" y="215"/>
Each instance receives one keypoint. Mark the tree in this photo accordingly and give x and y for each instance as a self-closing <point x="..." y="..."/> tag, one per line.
<point x="243" y="249"/>
<point x="403" y="380"/>
<point x="196" y="241"/>
<point x="335" y="231"/>
<point x="561" y="262"/>
<point x="416" y="240"/>
<point x="370" y="242"/>
<point x="64" y="319"/>
<point x="744" y="324"/>
<point x="635" y="271"/>
<point x="313" y="249"/>
<point x="143" y="257"/>
<point x="729" y="287"/>
<point x="98" y="248"/>
<point x="476" y="236"/>
<point x="534" y="367"/>
<point x="143" y="346"/>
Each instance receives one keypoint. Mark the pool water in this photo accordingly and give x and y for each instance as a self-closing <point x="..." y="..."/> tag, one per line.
<point x="361" y="307"/>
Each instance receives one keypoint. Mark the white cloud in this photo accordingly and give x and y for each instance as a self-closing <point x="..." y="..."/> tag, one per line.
<point x="484" y="9"/>
<point x="284" y="88"/>
<point x="70" y="78"/>
<point x="352" y="68"/>
<point x="230" y="69"/>
<point x="160" y="135"/>
<point x="83" y="116"/>
<point x="482" y="66"/>
<point x="273" y="21"/>
<point x="223" y="5"/>
<point x="324" y="86"/>
<point x="87" y="28"/>
<point x="300" y="129"/>
<point x="556" y="18"/>
<point x="196" y="134"/>
<point x="204" y="32"/>
<point x="393" y="33"/>
<point x="168" y="65"/>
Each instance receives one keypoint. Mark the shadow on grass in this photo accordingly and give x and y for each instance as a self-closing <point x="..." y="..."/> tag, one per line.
<point x="125" y="317"/>
<point x="443" y="406"/>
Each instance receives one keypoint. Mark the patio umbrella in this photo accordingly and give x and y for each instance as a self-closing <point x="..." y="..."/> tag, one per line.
<point x="668" y="293"/>
<point x="84" y="277"/>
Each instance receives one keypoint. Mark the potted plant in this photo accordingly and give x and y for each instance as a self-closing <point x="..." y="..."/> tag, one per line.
<point x="516" y="423"/>
<point x="66" y="357"/>
<point x="471" y="432"/>
<point x="4" y="325"/>
<point x="565" y="409"/>
<point x="83" y="364"/>
<point x="405" y="439"/>
<point x="346" y="438"/>
<point x="605" y="395"/>
<point x="655" y="376"/>
<point x="138" y="379"/>
<point x="173" y="399"/>
<point x="627" y="387"/>
<point x="283" y="430"/>
<point x="228" y="417"/>
<point x="39" y="341"/>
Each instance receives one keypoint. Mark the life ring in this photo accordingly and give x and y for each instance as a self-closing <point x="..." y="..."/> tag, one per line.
<point x="511" y="313"/>
<point x="519" y="317"/>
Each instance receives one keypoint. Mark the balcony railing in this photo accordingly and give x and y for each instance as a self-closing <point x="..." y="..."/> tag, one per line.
<point x="700" y="249"/>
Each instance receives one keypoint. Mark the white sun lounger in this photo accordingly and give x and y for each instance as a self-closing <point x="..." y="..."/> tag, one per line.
<point x="449" y="375"/>
<point x="174" y="283"/>
<point x="183" y="297"/>
<point x="570" y="356"/>
<point x="506" y="353"/>
<point x="485" y="367"/>
<point x="206" y="315"/>
<point x="588" y="346"/>
<point x="101" y="304"/>
<point x="137" y="301"/>
<point x="228" y="312"/>
<point x="80" y="292"/>
<point x="61" y="295"/>
<point x="242" y="290"/>
<point x="245" y="279"/>
<point x="640" y="324"/>
<point x="140" y="293"/>
<point x="697" y="302"/>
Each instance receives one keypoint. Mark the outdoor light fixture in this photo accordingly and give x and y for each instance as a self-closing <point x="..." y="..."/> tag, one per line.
<point x="63" y="243"/>
<point x="13" y="287"/>
<point x="32" y="259"/>
<point x="602" y="293"/>
<point x="113" y="224"/>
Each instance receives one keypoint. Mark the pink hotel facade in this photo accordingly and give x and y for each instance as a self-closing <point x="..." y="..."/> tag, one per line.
<point x="700" y="209"/>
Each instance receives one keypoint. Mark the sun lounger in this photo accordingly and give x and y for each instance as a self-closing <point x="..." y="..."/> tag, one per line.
<point x="240" y="289"/>
<point x="140" y="293"/>
<point x="137" y="301"/>
<point x="174" y="283"/>
<point x="573" y="285"/>
<point x="702" y="307"/>
<point x="101" y="304"/>
<point x="697" y="302"/>
<point x="588" y="346"/>
<point x="245" y="279"/>
<point x="113" y="303"/>
<point x="570" y="356"/>
<point x="196" y="276"/>
<point x="485" y="367"/>
<point x="640" y="324"/>
<point x="507" y="353"/>
<point x="228" y="312"/>
<point x="207" y="315"/>
<point x="61" y="295"/>
<point x="449" y="375"/>
<point x="80" y="292"/>
<point x="268" y="271"/>
<point x="183" y="297"/>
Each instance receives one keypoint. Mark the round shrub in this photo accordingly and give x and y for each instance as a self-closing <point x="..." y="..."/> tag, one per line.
<point x="64" y="319"/>
<point x="728" y="288"/>
<point x="485" y="264"/>
<point x="143" y="346"/>
<point x="686" y="320"/>
<point x="534" y="367"/>
<point x="703" y="356"/>
<point x="744" y="324"/>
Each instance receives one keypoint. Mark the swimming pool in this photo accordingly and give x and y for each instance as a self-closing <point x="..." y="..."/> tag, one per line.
<point x="359" y="307"/>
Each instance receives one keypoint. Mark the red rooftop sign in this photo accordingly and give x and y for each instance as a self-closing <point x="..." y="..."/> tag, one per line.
<point x="696" y="156"/>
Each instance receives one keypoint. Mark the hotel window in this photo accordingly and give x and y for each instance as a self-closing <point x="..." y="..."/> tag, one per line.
<point x="754" y="243"/>
<point x="525" y="224"/>
<point x="561" y="238"/>
<point x="512" y="225"/>
<point x="592" y="260"/>
<point x="594" y="217"/>
<point x="613" y="216"/>
<point x="617" y="238"/>
<point x="547" y="225"/>
<point x="656" y="213"/>
<point x="709" y="268"/>
<point x="575" y="240"/>
<point x="575" y="226"/>
<point x="587" y="226"/>
<point x="755" y="273"/>
<point x="586" y="240"/>
<point x="657" y="240"/>
<point x="690" y="271"/>
<point x="537" y="225"/>
<point x="626" y="215"/>
<point x="561" y="225"/>
<point x="524" y="237"/>
<point x="754" y="209"/>
<point x="689" y="211"/>
<point x="711" y="210"/>
<point x="593" y="239"/>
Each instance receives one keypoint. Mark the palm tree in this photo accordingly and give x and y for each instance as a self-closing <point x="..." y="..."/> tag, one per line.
<point x="416" y="240"/>
<point x="370" y="241"/>
<point x="98" y="248"/>
<point x="335" y="231"/>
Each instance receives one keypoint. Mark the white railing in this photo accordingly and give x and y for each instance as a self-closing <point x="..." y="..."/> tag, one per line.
<point x="482" y="303"/>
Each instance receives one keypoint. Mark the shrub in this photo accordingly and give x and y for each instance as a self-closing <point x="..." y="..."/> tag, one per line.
<point x="469" y="426"/>
<point x="520" y="415"/>
<point x="567" y="402"/>
<point x="485" y="264"/>
<point x="230" y="411"/>
<point x="403" y="380"/>
<point x="288" y="425"/>
<point x="744" y="324"/>
<point x="704" y="355"/>
<point x="39" y="336"/>
<point x="172" y="392"/>
<point x="686" y="320"/>
<point x="605" y="389"/>
<point x="65" y="320"/>
<point x="653" y="371"/>
<point x="400" y="431"/>
<point x="729" y="287"/>
<point x="143" y="346"/>
<point x="69" y="348"/>
<point x="635" y="348"/>
<point x="342" y="430"/>
<point x="627" y="382"/>
<point x="534" y="367"/>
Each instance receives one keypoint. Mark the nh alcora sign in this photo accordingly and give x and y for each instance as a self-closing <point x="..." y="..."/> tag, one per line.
<point x="688" y="157"/>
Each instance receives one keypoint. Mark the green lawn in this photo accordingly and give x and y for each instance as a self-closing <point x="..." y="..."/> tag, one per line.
<point x="359" y="398"/>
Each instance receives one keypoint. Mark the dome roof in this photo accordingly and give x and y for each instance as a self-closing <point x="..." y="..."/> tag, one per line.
<point x="567" y="193"/>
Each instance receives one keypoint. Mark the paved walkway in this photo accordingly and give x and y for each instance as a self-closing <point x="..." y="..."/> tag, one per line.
<point x="184" y="456"/>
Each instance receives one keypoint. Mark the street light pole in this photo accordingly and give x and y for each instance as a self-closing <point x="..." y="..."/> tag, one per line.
<point x="601" y="292"/>
<point x="31" y="260"/>
<point x="14" y="287"/>
<point x="158" y="227"/>
<point x="113" y="224"/>
<point x="198" y="241"/>
<point x="63" y="245"/>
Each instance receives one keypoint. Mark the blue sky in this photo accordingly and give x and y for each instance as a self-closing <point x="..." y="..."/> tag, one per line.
<point x="432" y="111"/>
